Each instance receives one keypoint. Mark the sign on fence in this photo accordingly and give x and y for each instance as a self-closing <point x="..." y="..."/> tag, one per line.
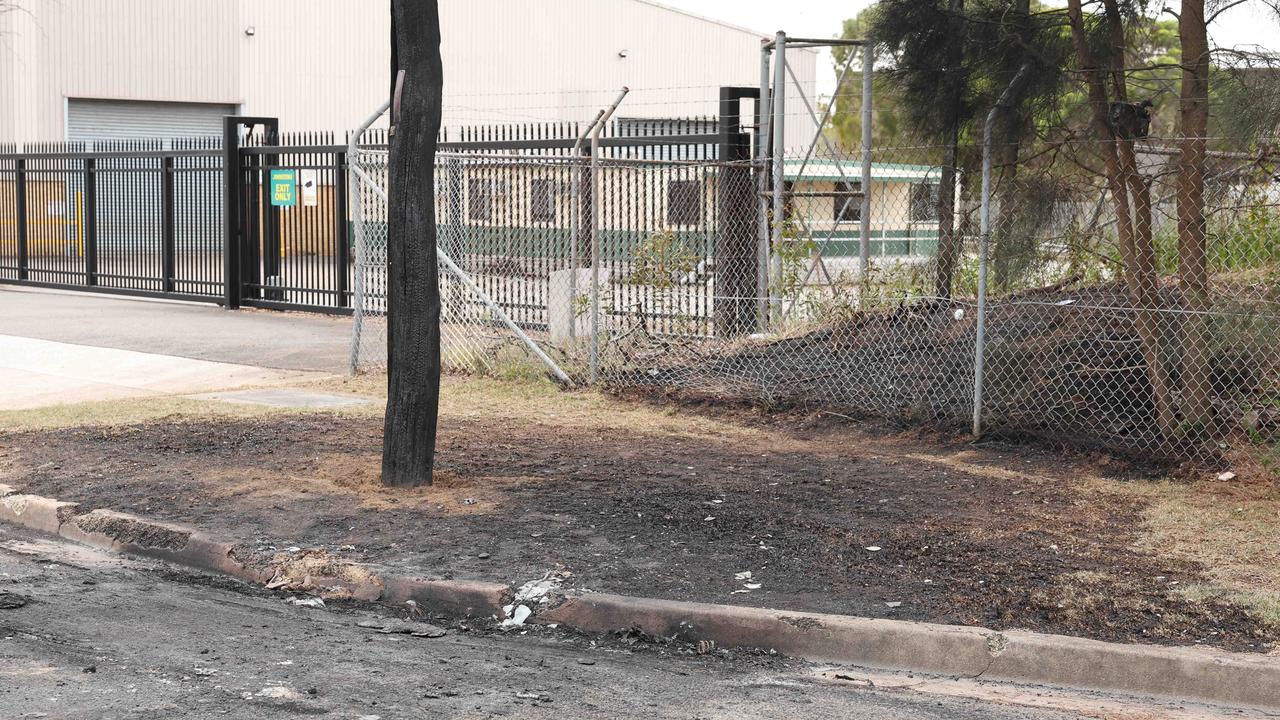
<point x="284" y="188"/>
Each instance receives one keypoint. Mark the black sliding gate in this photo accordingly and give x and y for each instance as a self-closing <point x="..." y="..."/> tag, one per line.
<point x="194" y="219"/>
<point x="188" y="219"/>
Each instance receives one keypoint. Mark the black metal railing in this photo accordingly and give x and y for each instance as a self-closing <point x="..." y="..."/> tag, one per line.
<point x="193" y="218"/>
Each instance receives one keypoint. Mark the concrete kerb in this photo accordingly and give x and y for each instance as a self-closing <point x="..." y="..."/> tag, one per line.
<point x="970" y="652"/>
<point x="1195" y="673"/>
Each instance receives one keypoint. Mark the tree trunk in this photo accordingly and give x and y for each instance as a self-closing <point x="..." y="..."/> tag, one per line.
<point x="949" y="245"/>
<point x="1192" y="262"/>
<point x="1131" y="198"/>
<point x="948" y="238"/>
<point x="413" y="290"/>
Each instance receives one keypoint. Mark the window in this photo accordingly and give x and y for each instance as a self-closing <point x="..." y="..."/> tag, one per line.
<point x="788" y="200"/>
<point x="848" y="206"/>
<point x="924" y="202"/>
<point x="684" y="202"/>
<point x="542" y="200"/>
<point x="480" y="199"/>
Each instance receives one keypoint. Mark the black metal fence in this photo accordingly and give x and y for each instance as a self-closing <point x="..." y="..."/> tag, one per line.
<point x="138" y="217"/>
<point x="194" y="218"/>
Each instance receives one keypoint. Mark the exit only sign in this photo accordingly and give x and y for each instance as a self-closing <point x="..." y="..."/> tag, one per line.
<point x="284" y="188"/>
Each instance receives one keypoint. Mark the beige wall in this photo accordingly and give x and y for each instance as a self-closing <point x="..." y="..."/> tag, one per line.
<point x="315" y="64"/>
<point x="322" y="64"/>
<point x="560" y="61"/>
<point x="118" y="49"/>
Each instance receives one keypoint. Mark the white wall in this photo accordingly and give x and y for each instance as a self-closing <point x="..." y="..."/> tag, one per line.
<point x="510" y="62"/>
<point x="118" y="49"/>
<point x="323" y="64"/>
<point x="315" y="64"/>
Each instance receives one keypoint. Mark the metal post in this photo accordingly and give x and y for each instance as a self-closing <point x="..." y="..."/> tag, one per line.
<point x="735" y="276"/>
<point x="272" y="220"/>
<point x="357" y="204"/>
<point x="779" y="163"/>
<point x="864" y="222"/>
<point x="341" y="236"/>
<point x="595" y="235"/>
<point x="233" y="227"/>
<point x="582" y="193"/>
<point x="361" y="257"/>
<point x="231" y="196"/>
<point x="90" y="221"/>
<point x="984" y="242"/>
<point x="167" y="224"/>
<point x="20" y="196"/>
<point x="763" y="116"/>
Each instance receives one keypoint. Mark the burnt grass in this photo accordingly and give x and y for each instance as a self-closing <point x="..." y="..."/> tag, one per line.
<point x="666" y="516"/>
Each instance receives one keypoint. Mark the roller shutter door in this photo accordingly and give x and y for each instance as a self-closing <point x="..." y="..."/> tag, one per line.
<point x="130" y="217"/>
<point x="91" y="120"/>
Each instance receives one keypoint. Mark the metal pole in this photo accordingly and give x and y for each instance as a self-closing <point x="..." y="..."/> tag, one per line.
<point x="864" y="221"/>
<point x="595" y="234"/>
<point x="576" y="236"/>
<point x="984" y="242"/>
<point x="20" y="195"/>
<point x="779" y="160"/>
<point x="764" y="110"/>
<point x="357" y="205"/>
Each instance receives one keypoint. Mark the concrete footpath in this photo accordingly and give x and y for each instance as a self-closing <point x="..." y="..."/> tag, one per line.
<point x="259" y="338"/>
<point x="41" y="373"/>
<point x="964" y="652"/>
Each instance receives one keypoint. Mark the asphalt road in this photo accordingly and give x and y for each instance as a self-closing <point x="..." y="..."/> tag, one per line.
<point x="106" y="638"/>
<point x="262" y="338"/>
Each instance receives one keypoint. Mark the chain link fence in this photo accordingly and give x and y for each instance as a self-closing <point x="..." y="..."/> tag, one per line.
<point x="1107" y="325"/>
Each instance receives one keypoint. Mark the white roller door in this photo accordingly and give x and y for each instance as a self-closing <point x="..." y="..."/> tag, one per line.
<point x="89" y="120"/>
<point x="129" y="210"/>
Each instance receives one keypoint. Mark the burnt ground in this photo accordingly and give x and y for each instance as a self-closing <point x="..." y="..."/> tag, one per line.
<point x="1001" y="538"/>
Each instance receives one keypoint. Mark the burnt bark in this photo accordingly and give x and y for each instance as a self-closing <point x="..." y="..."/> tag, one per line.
<point x="413" y="289"/>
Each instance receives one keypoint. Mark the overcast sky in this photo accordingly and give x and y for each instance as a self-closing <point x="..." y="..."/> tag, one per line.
<point x="1248" y="24"/>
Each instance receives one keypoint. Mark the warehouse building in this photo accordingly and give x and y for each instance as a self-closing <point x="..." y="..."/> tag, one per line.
<point x="91" y="70"/>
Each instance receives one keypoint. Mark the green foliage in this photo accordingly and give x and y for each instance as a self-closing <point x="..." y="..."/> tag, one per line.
<point x="661" y="259"/>
<point x="951" y="59"/>
<point x="795" y="253"/>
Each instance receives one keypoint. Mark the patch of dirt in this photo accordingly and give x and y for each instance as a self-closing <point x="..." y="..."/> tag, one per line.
<point x="826" y="518"/>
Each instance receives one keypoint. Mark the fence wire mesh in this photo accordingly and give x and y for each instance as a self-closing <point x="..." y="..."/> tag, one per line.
<point x="1114" y="324"/>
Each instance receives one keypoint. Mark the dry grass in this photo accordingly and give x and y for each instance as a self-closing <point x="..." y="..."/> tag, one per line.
<point x="524" y="400"/>
<point x="1231" y="528"/>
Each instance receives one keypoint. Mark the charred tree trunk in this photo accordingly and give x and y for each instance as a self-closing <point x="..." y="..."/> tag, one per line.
<point x="1131" y="199"/>
<point x="1192" y="262"/>
<point x="413" y="289"/>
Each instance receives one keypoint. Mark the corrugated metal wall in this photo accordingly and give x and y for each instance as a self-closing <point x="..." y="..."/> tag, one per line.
<point x="315" y="64"/>
<point x="561" y="60"/>
<point x="322" y="64"/>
